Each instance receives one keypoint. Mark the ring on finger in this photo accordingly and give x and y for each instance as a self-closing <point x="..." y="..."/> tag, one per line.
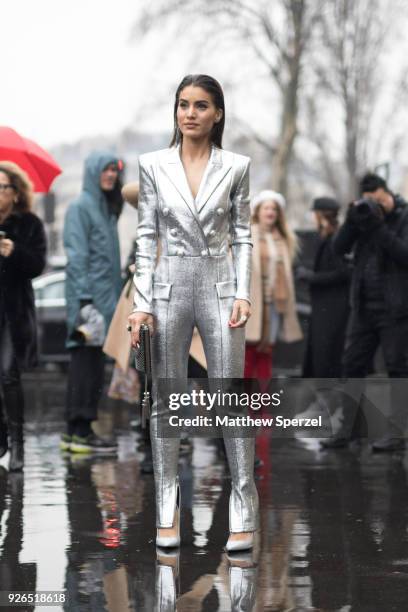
<point x="243" y="319"/>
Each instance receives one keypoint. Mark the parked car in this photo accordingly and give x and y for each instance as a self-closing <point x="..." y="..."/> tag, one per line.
<point x="49" y="292"/>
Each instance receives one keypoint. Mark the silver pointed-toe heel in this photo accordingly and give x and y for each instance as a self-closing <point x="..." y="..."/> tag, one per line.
<point x="237" y="545"/>
<point x="171" y="541"/>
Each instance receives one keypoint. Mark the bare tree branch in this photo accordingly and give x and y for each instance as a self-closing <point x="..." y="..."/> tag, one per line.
<point x="276" y="33"/>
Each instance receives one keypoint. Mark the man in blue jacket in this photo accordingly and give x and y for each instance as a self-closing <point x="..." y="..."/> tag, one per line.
<point x="93" y="287"/>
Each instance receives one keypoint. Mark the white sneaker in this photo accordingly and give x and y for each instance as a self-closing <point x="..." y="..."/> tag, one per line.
<point x="316" y="409"/>
<point x="313" y="411"/>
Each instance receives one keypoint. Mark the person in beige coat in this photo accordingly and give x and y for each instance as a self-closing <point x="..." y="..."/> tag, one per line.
<point x="272" y="288"/>
<point x="124" y="384"/>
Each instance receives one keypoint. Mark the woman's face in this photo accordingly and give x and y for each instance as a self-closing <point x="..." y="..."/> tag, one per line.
<point x="268" y="213"/>
<point x="7" y="193"/>
<point x="323" y="226"/>
<point x="196" y="113"/>
<point x="109" y="176"/>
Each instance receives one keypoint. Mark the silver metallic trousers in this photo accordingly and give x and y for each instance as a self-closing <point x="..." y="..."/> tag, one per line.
<point x="202" y="295"/>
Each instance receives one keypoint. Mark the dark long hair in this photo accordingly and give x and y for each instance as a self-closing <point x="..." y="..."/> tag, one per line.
<point x="212" y="87"/>
<point x="115" y="199"/>
<point x="332" y="217"/>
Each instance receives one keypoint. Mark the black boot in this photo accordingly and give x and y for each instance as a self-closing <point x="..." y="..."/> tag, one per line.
<point x="14" y="407"/>
<point x="16" y="447"/>
<point x="388" y="444"/>
<point x="353" y="430"/>
<point x="3" y="438"/>
<point x="3" y="431"/>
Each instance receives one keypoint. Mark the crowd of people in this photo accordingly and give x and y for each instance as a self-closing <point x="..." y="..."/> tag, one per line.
<point x="198" y="229"/>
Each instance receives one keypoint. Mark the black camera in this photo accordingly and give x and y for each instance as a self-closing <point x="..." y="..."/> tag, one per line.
<point x="366" y="214"/>
<point x="366" y="206"/>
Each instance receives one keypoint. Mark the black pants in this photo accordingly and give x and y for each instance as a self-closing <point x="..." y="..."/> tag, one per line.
<point x="85" y="384"/>
<point x="370" y="329"/>
<point x="10" y="379"/>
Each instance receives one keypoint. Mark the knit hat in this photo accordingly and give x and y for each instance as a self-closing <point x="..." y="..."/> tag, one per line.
<point x="268" y="195"/>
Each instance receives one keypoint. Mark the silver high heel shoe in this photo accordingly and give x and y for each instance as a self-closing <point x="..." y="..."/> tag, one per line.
<point x="237" y="545"/>
<point x="171" y="541"/>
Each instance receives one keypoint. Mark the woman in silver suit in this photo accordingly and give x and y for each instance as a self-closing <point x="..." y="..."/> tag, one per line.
<point x="194" y="201"/>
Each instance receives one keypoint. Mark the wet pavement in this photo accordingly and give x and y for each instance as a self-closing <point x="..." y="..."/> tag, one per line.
<point x="333" y="537"/>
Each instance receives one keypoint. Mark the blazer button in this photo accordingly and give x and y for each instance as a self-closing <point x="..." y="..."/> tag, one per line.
<point x="220" y="211"/>
<point x="173" y="231"/>
<point x="203" y="253"/>
<point x="212" y="232"/>
<point x="165" y="211"/>
<point x="180" y="251"/>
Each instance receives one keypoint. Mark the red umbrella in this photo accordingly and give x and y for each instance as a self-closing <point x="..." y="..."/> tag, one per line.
<point x="39" y="165"/>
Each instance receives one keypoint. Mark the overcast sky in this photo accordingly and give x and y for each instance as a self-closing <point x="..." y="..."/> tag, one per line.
<point x="68" y="69"/>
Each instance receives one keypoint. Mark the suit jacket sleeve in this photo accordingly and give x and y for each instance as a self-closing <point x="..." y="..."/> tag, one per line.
<point x="345" y="238"/>
<point x="146" y="241"/>
<point x="395" y="246"/>
<point x="241" y="244"/>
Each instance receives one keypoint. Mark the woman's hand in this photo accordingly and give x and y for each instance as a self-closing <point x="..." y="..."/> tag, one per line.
<point x="6" y="247"/>
<point x="241" y="312"/>
<point x="135" y="320"/>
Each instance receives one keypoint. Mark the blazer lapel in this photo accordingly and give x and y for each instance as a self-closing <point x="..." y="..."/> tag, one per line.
<point x="173" y="167"/>
<point x="215" y="172"/>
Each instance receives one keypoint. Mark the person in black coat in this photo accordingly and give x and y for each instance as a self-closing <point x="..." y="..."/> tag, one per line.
<point x="329" y="283"/>
<point x="22" y="257"/>
<point x="376" y="230"/>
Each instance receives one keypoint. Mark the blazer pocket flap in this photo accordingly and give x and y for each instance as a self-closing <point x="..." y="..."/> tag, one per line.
<point x="226" y="289"/>
<point x="161" y="291"/>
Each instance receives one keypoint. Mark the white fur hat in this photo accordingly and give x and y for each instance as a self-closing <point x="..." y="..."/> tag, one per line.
<point x="267" y="195"/>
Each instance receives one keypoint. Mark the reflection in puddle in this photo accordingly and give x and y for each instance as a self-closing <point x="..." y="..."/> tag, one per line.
<point x="334" y="530"/>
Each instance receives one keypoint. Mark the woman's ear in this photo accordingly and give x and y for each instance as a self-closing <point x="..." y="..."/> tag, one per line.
<point x="218" y="115"/>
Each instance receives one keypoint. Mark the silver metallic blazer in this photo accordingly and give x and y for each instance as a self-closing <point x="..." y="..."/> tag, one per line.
<point x="219" y="217"/>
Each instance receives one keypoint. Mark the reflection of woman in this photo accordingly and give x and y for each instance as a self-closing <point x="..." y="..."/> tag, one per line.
<point x="192" y="197"/>
<point x="22" y="257"/>
<point x="272" y="290"/>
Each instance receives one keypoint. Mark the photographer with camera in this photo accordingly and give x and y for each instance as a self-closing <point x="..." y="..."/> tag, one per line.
<point x="376" y="230"/>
